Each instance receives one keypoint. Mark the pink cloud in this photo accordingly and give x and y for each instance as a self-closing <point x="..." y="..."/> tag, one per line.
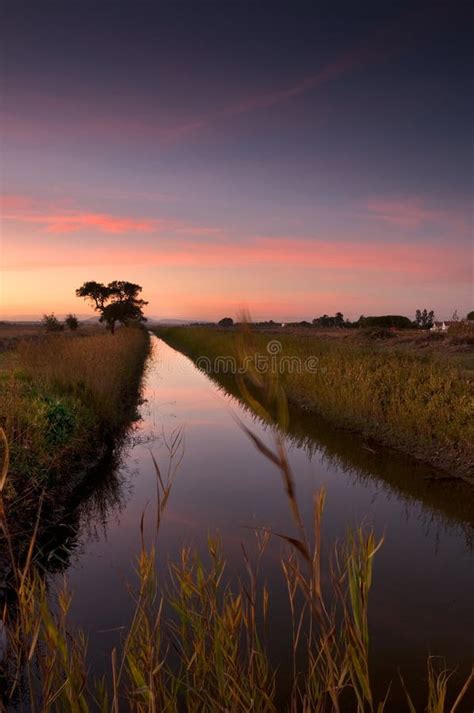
<point x="395" y="260"/>
<point x="413" y="213"/>
<point x="100" y="222"/>
<point x="9" y="202"/>
<point x="60" y="221"/>
<point x="407" y="213"/>
<point x="57" y="223"/>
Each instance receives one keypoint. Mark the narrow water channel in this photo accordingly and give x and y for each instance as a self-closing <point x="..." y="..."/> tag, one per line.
<point x="421" y="601"/>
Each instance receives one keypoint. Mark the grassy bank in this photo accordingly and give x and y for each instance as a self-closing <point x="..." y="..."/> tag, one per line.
<point x="62" y="399"/>
<point x="415" y="403"/>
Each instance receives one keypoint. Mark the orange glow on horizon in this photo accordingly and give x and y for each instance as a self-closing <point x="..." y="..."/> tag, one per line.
<point x="189" y="270"/>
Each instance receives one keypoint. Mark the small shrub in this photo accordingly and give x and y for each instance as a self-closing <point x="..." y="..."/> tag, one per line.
<point x="51" y="323"/>
<point x="61" y="421"/>
<point x="71" y="322"/>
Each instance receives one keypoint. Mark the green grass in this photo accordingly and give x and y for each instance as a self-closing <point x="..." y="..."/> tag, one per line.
<point x="421" y="405"/>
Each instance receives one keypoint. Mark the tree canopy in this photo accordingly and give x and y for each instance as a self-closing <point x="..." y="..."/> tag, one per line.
<point x="118" y="301"/>
<point x="424" y="318"/>
<point x="327" y="321"/>
<point x="394" y="321"/>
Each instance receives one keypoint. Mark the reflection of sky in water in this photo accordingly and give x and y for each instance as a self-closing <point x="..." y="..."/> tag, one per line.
<point x="423" y="583"/>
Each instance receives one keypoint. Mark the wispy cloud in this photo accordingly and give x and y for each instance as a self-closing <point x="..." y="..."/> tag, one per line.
<point x="405" y="212"/>
<point x="71" y="117"/>
<point x="264" y="99"/>
<point x="56" y="220"/>
<point x="414" y="213"/>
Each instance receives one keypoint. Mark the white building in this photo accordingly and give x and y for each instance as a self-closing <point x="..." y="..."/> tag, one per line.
<point x="441" y="326"/>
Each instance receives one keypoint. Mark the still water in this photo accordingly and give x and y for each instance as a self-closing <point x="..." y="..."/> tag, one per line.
<point x="421" y="600"/>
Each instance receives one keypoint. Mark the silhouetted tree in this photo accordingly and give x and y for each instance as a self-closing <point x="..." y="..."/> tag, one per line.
<point x="116" y="302"/>
<point x="424" y="319"/>
<point x="123" y="312"/>
<point x="390" y="321"/>
<point x="326" y="321"/>
<point x="470" y="315"/>
<point x="226" y="322"/>
<point x="51" y="323"/>
<point x="95" y="292"/>
<point x="71" y="322"/>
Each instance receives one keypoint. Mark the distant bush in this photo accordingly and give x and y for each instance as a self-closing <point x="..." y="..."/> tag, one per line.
<point x="51" y="323"/>
<point x="327" y="321"/>
<point x="396" y="321"/>
<point x="226" y="322"/>
<point x="71" y="322"/>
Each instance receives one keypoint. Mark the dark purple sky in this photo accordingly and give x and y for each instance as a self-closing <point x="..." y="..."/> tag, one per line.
<point x="293" y="158"/>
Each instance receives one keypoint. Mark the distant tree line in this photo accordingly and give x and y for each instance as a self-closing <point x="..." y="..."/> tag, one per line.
<point x="424" y="319"/>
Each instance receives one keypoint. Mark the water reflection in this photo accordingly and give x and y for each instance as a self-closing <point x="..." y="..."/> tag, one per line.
<point x="435" y="498"/>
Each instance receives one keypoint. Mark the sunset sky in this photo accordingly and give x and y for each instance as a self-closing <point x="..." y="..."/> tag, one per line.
<point x="291" y="158"/>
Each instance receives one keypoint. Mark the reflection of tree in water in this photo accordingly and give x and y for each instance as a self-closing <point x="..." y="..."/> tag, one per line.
<point x="101" y="496"/>
<point x="103" y="492"/>
<point x="435" y="501"/>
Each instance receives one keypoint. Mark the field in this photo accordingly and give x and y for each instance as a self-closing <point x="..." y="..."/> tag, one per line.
<point x="412" y="392"/>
